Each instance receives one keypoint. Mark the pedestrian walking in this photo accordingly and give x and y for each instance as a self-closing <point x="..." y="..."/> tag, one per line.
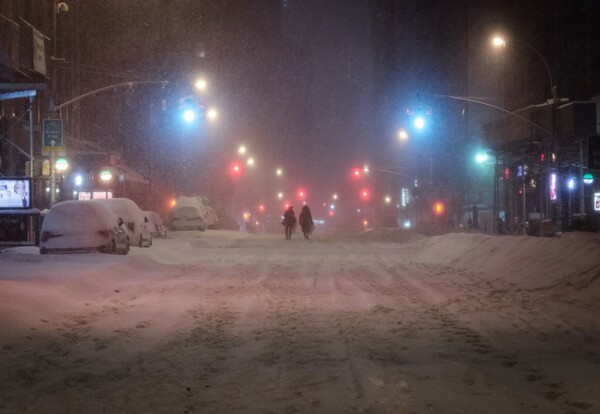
<point x="306" y="222"/>
<point x="289" y="221"/>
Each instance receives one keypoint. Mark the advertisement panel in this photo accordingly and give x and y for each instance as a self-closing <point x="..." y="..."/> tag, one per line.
<point x="15" y="193"/>
<point x="596" y="201"/>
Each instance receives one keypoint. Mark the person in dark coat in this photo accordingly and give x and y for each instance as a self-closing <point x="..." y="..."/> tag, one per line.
<point x="306" y="221"/>
<point x="289" y="221"/>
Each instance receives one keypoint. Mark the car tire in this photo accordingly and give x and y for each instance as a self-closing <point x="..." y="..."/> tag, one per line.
<point x="113" y="247"/>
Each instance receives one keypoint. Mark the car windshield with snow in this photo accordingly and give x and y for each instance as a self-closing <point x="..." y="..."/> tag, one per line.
<point x="80" y="226"/>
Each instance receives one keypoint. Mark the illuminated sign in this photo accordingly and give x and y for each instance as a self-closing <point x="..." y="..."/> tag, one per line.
<point x="596" y="201"/>
<point x="88" y="195"/>
<point x="15" y="193"/>
<point x="553" y="186"/>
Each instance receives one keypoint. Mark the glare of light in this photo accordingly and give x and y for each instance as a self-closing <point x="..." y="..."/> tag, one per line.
<point x="365" y="223"/>
<point x="261" y="208"/>
<point x="497" y="41"/>
<point x="78" y="180"/>
<point x="278" y="171"/>
<point x="419" y="122"/>
<point x="402" y="135"/>
<point x="280" y="195"/>
<point x="366" y="169"/>
<point x="61" y="165"/>
<point x="387" y="199"/>
<point x="242" y="150"/>
<point x="438" y="208"/>
<point x="335" y="196"/>
<point x="47" y="189"/>
<point x="246" y="216"/>
<point x="201" y="84"/>
<point x="250" y="161"/>
<point x="332" y="206"/>
<point x="105" y="175"/>
<point x="588" y="178"/>
<point x="481" y="158"/>
<point x="571" y="183"/>
<point x="358" y="210"/>
<point x="172" y="202"/>
<point x="74" y="193"/>
<point x="189" y="116"/>
<point x="331" y="213"/>
<point x="212" y="114"/>
<point x="407" y="224"/>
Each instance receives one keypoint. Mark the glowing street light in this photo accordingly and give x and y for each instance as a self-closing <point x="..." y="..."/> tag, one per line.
<point x="250" y="162"/>
<point x="279" y="172"/>
<point x="402" y="135"/>
<point x="500" y="42"/>
<point x="419" y="122"/>
<point x="242" y="150"/>
<point x="201" y="85"/>
<point x="212" y="114"/>
<point x="106" y="176"/>
<point x="61" y="165"/>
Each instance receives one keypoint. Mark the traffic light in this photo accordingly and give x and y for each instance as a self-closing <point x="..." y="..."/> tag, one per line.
<point x="189" y="110"/>
<point x="439" y="208"/>
<point x="365" y="194"/>
<point x="236" y="169"/>
<point x="301" y="193"/>
<point x="356" y="173"/>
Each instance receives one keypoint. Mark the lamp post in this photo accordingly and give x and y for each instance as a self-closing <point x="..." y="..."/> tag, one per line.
<point x="500" y="42"/>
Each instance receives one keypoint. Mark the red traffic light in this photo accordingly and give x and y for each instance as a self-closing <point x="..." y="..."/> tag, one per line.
<point x="236" y="168"/>
<point x="365" y="194"/>
<point x="301" y="194"/>
<point x="356" y="173"/>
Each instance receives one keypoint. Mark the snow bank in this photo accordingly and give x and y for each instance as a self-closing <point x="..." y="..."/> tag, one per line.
<point x="528" y="262"/>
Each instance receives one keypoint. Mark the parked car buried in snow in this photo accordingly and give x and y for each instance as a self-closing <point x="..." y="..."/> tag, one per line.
<point x="80" y="227"/>
<point x="187" y="217"/>
<point x="135" y="224"/>
<point x="157" y="227"/>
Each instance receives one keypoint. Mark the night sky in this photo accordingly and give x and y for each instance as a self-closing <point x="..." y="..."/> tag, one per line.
<point x="318" y="87"/>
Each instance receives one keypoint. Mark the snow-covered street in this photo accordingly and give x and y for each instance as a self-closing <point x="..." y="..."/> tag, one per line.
<point x="382" y="322"/>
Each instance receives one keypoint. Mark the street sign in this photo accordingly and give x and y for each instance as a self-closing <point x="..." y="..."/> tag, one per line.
<point x="52" y="138"/>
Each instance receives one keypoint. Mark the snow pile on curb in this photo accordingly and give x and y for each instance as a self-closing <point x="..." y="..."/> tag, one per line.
<point x="528" y="262"/>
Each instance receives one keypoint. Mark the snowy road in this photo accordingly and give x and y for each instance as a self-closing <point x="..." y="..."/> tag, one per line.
<point x="228" y="322"/>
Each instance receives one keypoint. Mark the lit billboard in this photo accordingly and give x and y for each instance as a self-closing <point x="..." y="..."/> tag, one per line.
<point x="15" y="193"/>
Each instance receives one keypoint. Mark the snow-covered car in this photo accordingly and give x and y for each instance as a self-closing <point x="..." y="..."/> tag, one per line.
<point x="190" y="213"/>
<point x="136" y="225"/>
<point x="79" y="226"/>
<point x="187" y="217"/>
<point x="211" y="218"/>
<point x="157" y="227"/>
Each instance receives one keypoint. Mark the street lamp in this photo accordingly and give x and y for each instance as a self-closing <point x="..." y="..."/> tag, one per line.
<point x="201" y="85"/>
<point x="212" y="114"/>
<point x="555" y="193"/>
<point x="402" y="135"/>
<point x="500" y="42"/>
